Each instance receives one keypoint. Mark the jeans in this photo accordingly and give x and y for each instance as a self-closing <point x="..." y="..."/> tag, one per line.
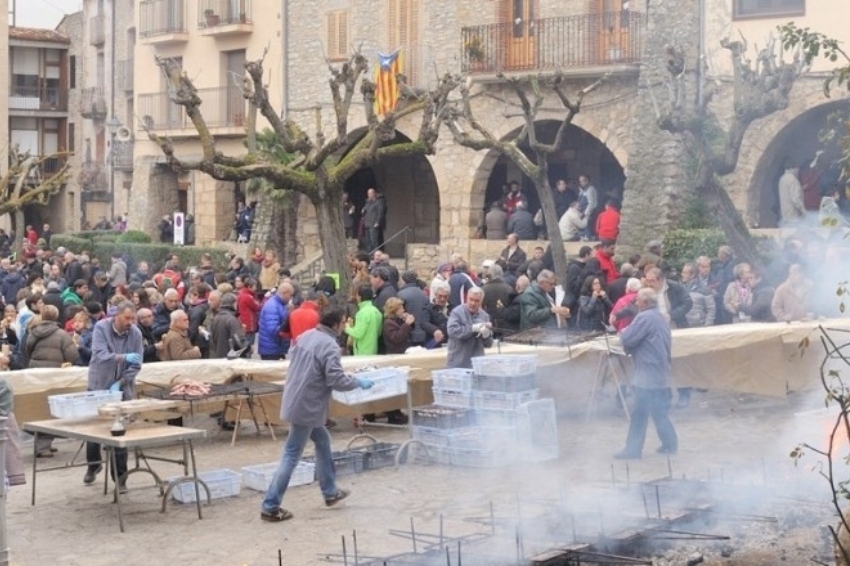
<point x="653" y="403"/>
<point x="93" y="454"/>
<point x="373" y="238"/>
<point x="290" y="457"/>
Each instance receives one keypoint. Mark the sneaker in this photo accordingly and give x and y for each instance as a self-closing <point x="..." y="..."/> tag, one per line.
<point x="396" y="418"/>
<point x="340" y="495"/>
<point x="122" y="488"/>
<point x="91" y="475"/>
<point x="276" y="516"/>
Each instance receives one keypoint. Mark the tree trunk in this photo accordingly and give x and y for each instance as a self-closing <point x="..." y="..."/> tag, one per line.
<point x="550" y="216"/>
<point x="737" y="234"/>
<point x="289" y="228"/>
<point x="328" y="203"/>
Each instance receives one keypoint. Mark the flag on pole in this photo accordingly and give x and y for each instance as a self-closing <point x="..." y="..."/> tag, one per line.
<point x="386" y="85"/>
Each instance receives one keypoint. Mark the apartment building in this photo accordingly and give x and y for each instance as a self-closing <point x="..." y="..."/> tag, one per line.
<point x="38" y="106"/>
<point x="211" y="40"/>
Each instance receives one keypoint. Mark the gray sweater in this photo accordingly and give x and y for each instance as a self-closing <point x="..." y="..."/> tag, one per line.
<point x="315" y="370"/>
<point x="464" y="344"/>
<point x="107" y="358"/>
<point x="648" y="340"/>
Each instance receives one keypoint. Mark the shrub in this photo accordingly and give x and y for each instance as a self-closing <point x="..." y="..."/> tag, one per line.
<point x="134" y="237"/>
<point x="70" y="242"/>
<point x="682" y="246"/>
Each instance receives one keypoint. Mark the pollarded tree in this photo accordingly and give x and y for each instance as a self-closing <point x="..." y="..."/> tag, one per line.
<point x="536" y="166"/>
<point x="30" y="180"/>
<point x="318" y="173"/>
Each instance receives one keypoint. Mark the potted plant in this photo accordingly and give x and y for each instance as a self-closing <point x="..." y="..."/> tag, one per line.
<point x="474" y="49"/>
<point x="211" y="17"/>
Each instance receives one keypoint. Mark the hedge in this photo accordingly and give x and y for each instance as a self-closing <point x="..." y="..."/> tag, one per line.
<point x="154" y="254"/>
<point x="682" y="246"/>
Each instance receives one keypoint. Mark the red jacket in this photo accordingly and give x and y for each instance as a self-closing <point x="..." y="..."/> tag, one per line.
<point x="606" y="262"/>
<point x="302" y="319"/>
<point x="32" y="236"/>
<point x="248" y="308"/>
<point x="608" y="224"/>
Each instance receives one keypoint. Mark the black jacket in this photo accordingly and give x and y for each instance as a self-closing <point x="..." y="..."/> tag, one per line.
<point x="73" y="272"/>
<point x="55" y="298"/>
<point x="522" y="224"/>
<point x="435" y="320"/>
<point x="680" y="303"/>
<point x="382" y="295"/>
<point x="225" y="326"/>
<point x="161" y="321"/>
<point x="416" y="303"/>
<point x="497" y="298"/>
<point x="149" y="344"/>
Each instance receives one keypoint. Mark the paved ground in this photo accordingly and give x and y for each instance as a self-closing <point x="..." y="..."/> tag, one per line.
<point x="745" y="439"/>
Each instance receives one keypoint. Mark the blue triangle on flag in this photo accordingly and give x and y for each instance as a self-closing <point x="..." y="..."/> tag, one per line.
<point x="386" y="61"/>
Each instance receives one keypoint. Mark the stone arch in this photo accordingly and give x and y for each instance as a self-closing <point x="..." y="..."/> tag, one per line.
<point x="410" y="187"/>
<point x="590" y="149"/>
<point x="792" y="137"/>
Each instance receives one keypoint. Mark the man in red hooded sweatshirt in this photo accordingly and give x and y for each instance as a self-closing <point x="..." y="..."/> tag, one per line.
<point x="605" y="255"/>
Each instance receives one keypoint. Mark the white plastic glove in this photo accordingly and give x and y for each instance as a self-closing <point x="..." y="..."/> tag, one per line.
<point x="476" y="328"/>
<point x="486" y="332"/>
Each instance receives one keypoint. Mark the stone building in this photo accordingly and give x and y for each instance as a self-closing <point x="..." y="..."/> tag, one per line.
<point x="436" y="202"/>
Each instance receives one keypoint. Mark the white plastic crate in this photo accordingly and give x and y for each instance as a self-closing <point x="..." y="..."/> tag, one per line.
<point x="457" y="379"/>
<point x="498" y="400"/>
<point x="79" y="405"/>
<point x="388" y="382"/>
<point x="498" y="418"/>
<point x="483" y="437"/>
<point x="538" y="431"/>
<point x="222" y="483"/>
<point x="431" y="436"/>
<point x="481" y="458"/>
<point x="260" y="477"/>
<point x="505" y="365"/>
<point x="452" y="398"/>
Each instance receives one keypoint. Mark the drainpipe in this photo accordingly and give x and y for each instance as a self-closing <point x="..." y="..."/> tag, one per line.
<point x="112" y="108"/>
<point x="284" y="26"/>
<point x="701" y="55"/>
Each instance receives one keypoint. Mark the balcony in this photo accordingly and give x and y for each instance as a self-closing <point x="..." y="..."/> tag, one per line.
<point x="38" y="98"/>
<point x="124" y="75"/>
<point x="122" y="155"/>
<point x="587" y="44"/>
<point x="162" y="22"/>
<point x="51" y="166"/>
<point x="93" y="103"/>
<point x="224" y="17"/>
<point x="97" y="31"/>
<point x="92" y="177"/>
<point x="223" y="108"/>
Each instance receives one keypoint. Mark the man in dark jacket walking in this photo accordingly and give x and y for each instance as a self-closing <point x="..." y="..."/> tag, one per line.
<point x="648" y="340"/>
<point x="227" y="332"/>
<point x="416" y="304"/>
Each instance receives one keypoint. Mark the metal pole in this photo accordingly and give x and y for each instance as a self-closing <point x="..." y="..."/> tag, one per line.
<point x="4" y="547"/>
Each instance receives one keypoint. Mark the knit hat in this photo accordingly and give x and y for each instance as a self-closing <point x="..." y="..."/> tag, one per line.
<point x="409" y="276"/>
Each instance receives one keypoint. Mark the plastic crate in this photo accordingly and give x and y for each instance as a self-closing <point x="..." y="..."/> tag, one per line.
<point x="346" y="462"/>
<point x="481" y="457"/>
<point x="538" y="431"/>
<point x="432" y="436"/>
<point x="452" y="398"/>
<point x="222" y="483"/>
<point x="505" y="383"/>
<point x="79" y="405"/>
<point x="435" y="416"/>
<point x="483" y="437"/>
<point x="499" y="400"/>
<point x="457" y="379"/>
<point x="260" y="477"/>
<point x="378" y="455"/>
<point x="387" y="382"/>
<point x="497" y="418"/>
<point x="505" y="365"/>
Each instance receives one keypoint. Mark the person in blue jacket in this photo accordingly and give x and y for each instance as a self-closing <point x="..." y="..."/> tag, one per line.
<point x="272" y="334"/>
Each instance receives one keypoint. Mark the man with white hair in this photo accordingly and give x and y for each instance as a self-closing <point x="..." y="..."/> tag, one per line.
<point x="162" y="312"/>
<point x="176" y="344"/>
<point x="648" y="340"/>
<point x="470" y="331"/>
<point x="522" y="223"/>
<point x="538" y="305"/>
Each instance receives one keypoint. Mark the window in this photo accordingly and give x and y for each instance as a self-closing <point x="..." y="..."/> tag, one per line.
<point x="337" y="35"/>
<point x="72" y="70"/>
<point x="769" y="8"/>
<point x="72" y="132"/>
<point x="403" y="32"/>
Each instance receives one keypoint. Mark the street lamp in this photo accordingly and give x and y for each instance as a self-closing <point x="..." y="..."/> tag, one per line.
<point x="112" y="127"/>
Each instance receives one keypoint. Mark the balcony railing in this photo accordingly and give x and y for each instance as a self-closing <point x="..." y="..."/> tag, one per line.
<point x="38" y="98"/>
<point x="590" y="40"/>
<point x="51" y="166"/>
<point x="97" y="31"/>
<point x="122" y="155"/>
<point x="161" y="17"/>
<point x="93" y="103"/>
<point x="215" y="13"/>
<point x="92" y="177"/>
<point x="221" y="107"/>
<point x="124" y="75"/>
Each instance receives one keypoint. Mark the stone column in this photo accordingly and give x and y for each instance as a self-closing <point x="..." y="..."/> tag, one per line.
<point x="658" y="183"/>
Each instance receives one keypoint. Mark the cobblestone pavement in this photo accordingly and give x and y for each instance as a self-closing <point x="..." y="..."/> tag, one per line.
<point x="73" y="524"/>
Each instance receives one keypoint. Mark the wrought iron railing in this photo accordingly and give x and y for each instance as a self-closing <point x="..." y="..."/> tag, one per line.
<point x="212" y="13"/>
<point x="97" y="31"/>
<point x="38" y="98"/>
<point x="160" y="17"/>
<point x="92" y="177"/>
<point x="124" y="75"/>
<point x="587" y="40"/>
<point x="51" y="165"/>
<point x="93" y="103"/>
<point x="221" y="107"/>
<point x="122" y="155"/>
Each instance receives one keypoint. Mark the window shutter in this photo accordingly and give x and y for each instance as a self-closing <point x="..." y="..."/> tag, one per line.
<point x="332" y="37"/>
<point x="393" y="23"/>
<point x="342" y="34"/>
<point x="503" y="10"/>
<point x="413" y="61"/>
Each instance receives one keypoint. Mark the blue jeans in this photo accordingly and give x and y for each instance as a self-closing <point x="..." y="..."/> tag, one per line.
<point x="290" y="457"/>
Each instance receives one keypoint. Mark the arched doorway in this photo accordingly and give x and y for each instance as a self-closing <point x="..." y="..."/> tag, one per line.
<point x="797" y="144"/>
<point x="410" y="188"/>
<point x="582" y="154"/>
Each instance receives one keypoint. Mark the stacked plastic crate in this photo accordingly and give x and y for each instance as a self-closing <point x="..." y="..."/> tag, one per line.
<point x="490" y="416"/>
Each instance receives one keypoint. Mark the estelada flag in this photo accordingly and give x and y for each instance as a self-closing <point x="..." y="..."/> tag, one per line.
<point x="386" y="85"/>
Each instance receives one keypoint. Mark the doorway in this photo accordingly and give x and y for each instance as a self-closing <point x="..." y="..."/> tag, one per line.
<point x="518" y="16"/>
<point x="613" y="24"/>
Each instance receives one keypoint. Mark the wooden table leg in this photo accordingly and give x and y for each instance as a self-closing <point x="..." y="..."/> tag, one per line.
<point x="237" y="423"/>
<point x="266" y="417"/>
<point x="195" y="477"/>
<point x="113" y="458"/>
<point x="34" y="460"/>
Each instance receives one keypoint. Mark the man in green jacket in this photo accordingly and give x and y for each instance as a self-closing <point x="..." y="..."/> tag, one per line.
<point x="367" y="324"/>
<point x="538" y="306"/>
